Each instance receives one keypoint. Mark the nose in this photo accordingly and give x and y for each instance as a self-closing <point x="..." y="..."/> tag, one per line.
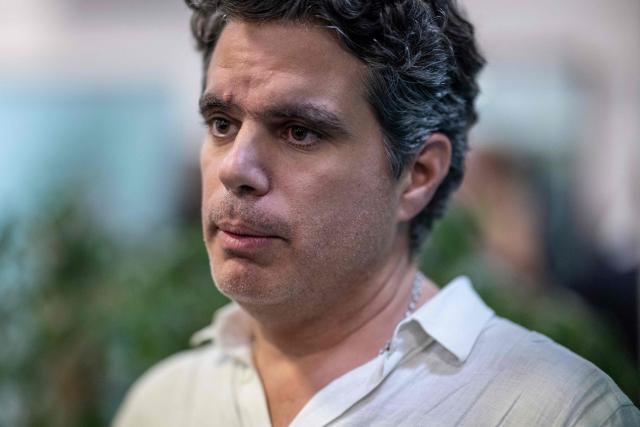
<point x="242" y="170"/>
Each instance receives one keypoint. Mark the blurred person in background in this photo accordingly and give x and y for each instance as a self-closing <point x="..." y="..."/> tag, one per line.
<point x="337" y="132"/>
<point x="533" y="230"/>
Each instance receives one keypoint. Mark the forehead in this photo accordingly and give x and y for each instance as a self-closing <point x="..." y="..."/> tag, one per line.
<point x="283" y="60"/>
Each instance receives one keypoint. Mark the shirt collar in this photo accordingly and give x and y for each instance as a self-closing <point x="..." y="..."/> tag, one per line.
<point x="454" y="317"/>
<point x="230" y="329"/>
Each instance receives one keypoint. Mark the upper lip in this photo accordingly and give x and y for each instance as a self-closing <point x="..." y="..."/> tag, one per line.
<point x="243" y="229"/>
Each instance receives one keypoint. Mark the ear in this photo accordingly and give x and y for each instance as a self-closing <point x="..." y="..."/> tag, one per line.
<point x="423" y="176"/>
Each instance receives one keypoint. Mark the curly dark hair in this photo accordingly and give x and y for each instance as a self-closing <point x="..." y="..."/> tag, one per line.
<point x="422" y="63"/>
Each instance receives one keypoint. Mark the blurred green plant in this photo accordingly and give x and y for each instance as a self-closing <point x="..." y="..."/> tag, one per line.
<point x="85" y="314"/>
<point x="90" y="314"/>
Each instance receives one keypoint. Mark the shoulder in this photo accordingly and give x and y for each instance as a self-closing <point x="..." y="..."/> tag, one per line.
<point x="546" y="378"/>
<point x="165" y="389"/>
<point x="533" y="357"/>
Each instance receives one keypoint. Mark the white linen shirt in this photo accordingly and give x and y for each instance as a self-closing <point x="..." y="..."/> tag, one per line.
<point x="452" y="363"/>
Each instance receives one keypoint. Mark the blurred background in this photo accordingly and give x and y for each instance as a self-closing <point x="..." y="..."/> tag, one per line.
<point x="102" y="267"/>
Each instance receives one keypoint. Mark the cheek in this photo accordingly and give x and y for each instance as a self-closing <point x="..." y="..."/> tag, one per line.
<point x="346" y="218"/>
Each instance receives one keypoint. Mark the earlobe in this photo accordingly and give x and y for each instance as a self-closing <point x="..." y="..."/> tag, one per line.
<point x="424" y="175"/>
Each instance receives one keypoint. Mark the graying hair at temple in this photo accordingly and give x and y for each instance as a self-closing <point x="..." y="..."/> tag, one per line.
<point x="422" y="64"/>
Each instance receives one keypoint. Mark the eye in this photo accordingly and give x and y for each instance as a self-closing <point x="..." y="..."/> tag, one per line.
<point x="299" y="133"/>
<point x="221" y="127"/>
<point x="301" y="136"/>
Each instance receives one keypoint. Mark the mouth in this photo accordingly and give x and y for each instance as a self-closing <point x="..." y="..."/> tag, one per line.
<point x="241" y="238"/>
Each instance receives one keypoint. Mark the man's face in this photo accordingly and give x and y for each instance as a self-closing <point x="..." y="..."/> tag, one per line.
<point x="298" y="203"/>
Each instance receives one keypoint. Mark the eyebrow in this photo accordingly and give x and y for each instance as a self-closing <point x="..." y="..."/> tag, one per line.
<point x="317" y="116"/>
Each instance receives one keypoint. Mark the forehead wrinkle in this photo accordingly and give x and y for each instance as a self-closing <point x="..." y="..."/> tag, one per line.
<point x="248" y="55"/>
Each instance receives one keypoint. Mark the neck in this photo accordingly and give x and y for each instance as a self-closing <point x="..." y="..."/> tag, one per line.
<point x="297" y="358"/>
<point x="351" y="331"/>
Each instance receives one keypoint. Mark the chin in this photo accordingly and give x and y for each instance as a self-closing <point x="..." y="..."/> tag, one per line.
<point x="246" y="283"/>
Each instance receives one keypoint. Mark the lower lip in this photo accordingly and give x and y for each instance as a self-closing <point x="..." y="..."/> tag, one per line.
<point x="241" y="242"/>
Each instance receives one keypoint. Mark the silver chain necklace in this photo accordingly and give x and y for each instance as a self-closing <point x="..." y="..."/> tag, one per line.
<point x="415" y="294"/>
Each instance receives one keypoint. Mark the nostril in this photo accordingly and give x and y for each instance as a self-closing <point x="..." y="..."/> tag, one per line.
<point x="244" y="189"/>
